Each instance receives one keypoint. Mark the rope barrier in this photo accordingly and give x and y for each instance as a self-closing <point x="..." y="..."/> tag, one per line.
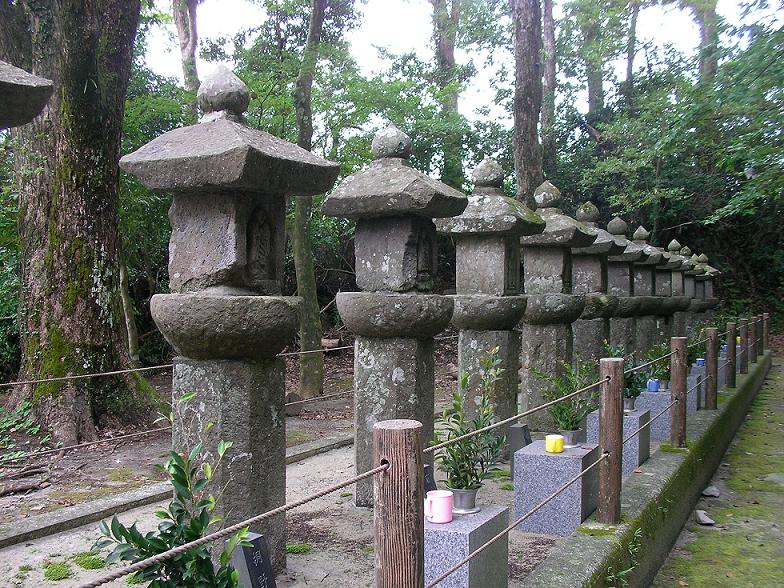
<point x="642" y="365"/>
<point x="83" y="376"/>
<point x="317" y="398"/>
<point x="693" y="388"/>
<point x="169" y="554"/>
<point x="503" y="533"/>
<point x="516" y="417"/>
<point x="648" y="424"/>
<point x="700" y="342"/>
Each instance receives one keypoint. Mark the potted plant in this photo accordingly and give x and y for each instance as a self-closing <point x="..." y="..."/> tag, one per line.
<point x="569" y="415"/>
<point x="661" y="369"/>
<point x="469" y="462"/>
<point x="634" y="382"/>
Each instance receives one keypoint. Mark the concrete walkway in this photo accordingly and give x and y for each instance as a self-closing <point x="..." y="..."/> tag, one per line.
<point x="746" y="546"/>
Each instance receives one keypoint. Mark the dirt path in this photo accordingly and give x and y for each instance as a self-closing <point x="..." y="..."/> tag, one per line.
<point x="746" y="546"/>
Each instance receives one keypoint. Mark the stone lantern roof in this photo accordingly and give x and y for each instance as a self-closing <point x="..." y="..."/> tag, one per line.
<point x="605" y="243"/>
<point x="22" y="95"/>
<point x="489" y="211"/>
<point x="222" y="152"/>
<point x="560" y="230"/>
<point x="390" y="186"/>
<point x="640" y="237"/>
<point x="675" y="250"/>
<point x="618" y="228"/>
<point x="697" y="268"/>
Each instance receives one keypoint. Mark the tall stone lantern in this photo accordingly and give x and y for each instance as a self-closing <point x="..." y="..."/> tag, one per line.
<point x="552" y="306"/>
<point x="663" y="289"/>
<point x="22" y="95"/>
<point x="396" y="315"/>
<point x="690" y="289"/>
<point x="589" y="279"/>
<point x="225" y="316"/>
<point x="678" y="278"/>
<point x="620" y="283"/>
<point x="645" y="291"/>
<point x="488" y="304"/>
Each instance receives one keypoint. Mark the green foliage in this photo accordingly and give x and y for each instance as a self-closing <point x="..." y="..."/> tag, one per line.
<point x="569" y="414"/>
<point x="298" y="548"/>
<point x="89" y="560"/>
<point x="188" y="517"/>
<point x="467" y="463"/>
<point x="620" y="579"/>
<point x="56" y="571"/>
<point x="661" y="369"/>
<point x="18" y="420"/>
<point x="633" y="383"/>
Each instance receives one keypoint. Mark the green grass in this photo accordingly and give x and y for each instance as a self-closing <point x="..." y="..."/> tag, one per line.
<point x="298" y="548"/>
<point x="56" y="571"/>
<point x="345" y="494"/>
<point x="507" y="486"/>
<point x="88" y="560"/>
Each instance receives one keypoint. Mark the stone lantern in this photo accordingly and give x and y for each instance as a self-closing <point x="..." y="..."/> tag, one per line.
<point x="396" y="316"/>
<point x="488" y="304"/>
<point x="620" y="283"/>
<point x="678" y="278"/>
<point x="22" y="95"/>
<point x="690" y="290"/>
<point x="589" y="279"/>
<point x="225" y="317"/>
<point x="704" y="287"/>
<point x="645" y="291"/>
<point x="663" y="289"/>
<point x="552" y="306"/>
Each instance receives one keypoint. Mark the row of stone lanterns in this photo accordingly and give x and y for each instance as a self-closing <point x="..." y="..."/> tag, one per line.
<point x="227" y="321"/>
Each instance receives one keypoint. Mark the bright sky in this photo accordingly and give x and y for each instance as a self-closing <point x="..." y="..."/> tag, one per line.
<point x="403" y="25"/>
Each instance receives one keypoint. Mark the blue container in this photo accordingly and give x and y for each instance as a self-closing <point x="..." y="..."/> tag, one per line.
<point x="724" y="348"/>
<point x="653" y="385"/>
<point x="700" y="361"/>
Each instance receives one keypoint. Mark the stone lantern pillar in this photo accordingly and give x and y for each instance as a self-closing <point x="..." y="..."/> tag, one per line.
<point x="690" y="290"/>
<point x="704" y="288"/>
<point x="225" y="316"/>
<point x="396" y="316"/>
<point x="620" y="283"/>
<point x="589" y="279"/>
<point x="663" y="289"/>
<point x="488" y="304"/>
<point x="552" y="306"/>
<point x="645" y="291"/>
<point x="678" y="278"/>
<point x="22" y="95"/>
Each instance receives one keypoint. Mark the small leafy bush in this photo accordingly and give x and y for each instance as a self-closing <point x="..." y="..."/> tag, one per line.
<point x="569" y="414"/>
<point x="469" y="462"/>
<point x="661" y="369"/>
<point x="633" y="383"/>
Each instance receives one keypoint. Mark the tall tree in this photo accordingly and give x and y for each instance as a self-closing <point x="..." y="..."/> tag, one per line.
<point x="548" y="89"/>
<point x="67" y="178"/>
<point x="527" y="19"/>
<point x="631" y="50"/>
<point x="311" y="365"/>
<point x="446" y="24"/>
<point x="708" y="21"/>
<point x="184" y="12"/>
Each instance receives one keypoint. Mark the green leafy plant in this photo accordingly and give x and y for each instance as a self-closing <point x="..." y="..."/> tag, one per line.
<point x="569" y="414"/>
<point x="634" y="382"/>
<point x="187" y="518"/>
<point x="467" y="463"/>
<point x="661" y="369"/>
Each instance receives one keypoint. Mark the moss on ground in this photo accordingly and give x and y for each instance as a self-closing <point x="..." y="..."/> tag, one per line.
<point x="57" y="570"/>
<point x="89" y="560"/>
<point x="297" y="438"/>
<point x="298" y="548"/>
<point x="746" y="547"/>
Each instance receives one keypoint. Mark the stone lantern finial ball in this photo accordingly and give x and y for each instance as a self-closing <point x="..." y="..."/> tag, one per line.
<point x="617" y="226"/>
<point x="686" y="251"/>
<point x="391" y="142"/>
<point x="222" y="90"/>
<point x="547" y="195"/>
<point x="641" y="234"/>
<point x="488" y="173"/>
<point x="587" y="213"/>
<point x="674" y="246"/>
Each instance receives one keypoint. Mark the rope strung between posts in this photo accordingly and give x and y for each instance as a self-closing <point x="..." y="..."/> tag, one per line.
<point x="699" y="383"/>
<point x="516" y="417"/>
<point x="648" y="424"/>
<point x="166" y="555"/>
<point x="642" y="365"/>
<point x="700" y="342"/>
<point x="503" y="533"/>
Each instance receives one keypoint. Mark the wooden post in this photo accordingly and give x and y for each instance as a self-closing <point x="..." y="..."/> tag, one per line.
<point x="399" y="494"/>
<point x="760" y="344"/>
<point x="751" y="337"/>
<point x="765" y="331"/>
<point x="744" y="346"/>
<point x="608" y="509"/>
<point x="711" y="368"/>
<point x="732" y="357"/>
<point x="678" y="368"/>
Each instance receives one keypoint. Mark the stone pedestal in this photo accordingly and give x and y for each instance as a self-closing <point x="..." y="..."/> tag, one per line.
<point x="519" y="437"/>
<point x="396" y="259"/>
<point x="655" y="402"/>
<point x="638" y="449"/>
<point x="697" y="375"/>
<point x="539" y="474"/>
<point x="448" y="543"/>
<point x="224" y="317"/>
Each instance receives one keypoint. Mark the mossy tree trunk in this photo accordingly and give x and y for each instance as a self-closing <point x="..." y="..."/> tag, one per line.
<point x="67" y="177"/>
<point x="184" y="12"/>
<point x="527" y="20"/>
<point x="549" y="155"/>
<point x="311" y="365"/>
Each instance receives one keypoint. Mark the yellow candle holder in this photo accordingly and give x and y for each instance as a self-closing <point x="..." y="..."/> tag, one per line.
<point x="554" y="443"/>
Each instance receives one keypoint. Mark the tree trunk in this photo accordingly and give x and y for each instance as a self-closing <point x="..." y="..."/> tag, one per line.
<point x="67" y="174"/>
<point x="311" y="365"/>
<point x="708" y="20"/>
<point x="593" y="70"/>
<point x="526" y="16"/>
<point x="184" y="12"/>
<point x="446" y="21"/>
<point x="14" y="35"/>
<point x="631" y="49"/>
<point x="130" y="318"/>
<point x="549" y="155"/>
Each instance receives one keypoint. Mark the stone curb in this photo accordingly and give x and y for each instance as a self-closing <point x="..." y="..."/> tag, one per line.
<point x="65" y="519"/>
<point x="654" y="504"/>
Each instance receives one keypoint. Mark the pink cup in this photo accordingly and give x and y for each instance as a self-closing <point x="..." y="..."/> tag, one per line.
<point x="438" y="506"/>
